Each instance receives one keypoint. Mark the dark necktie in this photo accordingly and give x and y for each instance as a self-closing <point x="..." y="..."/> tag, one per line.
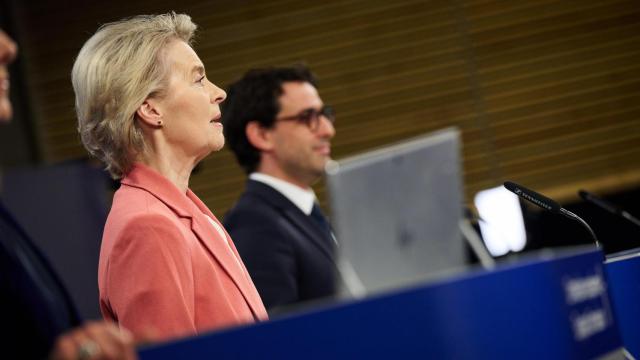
<point x="321" y="220"/>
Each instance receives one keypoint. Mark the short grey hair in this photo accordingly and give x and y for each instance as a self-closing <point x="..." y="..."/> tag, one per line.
<point x="119" y="67"/>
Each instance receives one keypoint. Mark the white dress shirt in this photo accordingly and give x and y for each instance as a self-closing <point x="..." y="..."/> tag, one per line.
<point x="302" y="198"/>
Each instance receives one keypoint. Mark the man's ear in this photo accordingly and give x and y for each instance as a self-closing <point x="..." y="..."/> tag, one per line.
<point x="149" y="113"/>
<point x="259" y="136"/>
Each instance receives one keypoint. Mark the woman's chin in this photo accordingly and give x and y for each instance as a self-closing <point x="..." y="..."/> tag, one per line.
<point x="217" y="143"/>
<point x="211" y="147"/>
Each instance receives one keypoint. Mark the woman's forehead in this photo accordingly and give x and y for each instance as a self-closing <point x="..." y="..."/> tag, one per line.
<point x="183" y="59"/>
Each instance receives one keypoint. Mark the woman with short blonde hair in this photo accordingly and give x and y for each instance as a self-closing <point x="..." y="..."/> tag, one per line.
<point x="146" y="109"/>
<point x="116" y="70"/>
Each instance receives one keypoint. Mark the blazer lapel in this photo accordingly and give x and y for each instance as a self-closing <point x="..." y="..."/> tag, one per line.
<point x="306" y="225"/>
<point x="226" y="255"/>
<point x="191" y="207"/>
<point x="303" y="222"/>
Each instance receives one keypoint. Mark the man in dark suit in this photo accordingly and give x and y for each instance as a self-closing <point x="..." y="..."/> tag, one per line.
<point x="280" y="130"/>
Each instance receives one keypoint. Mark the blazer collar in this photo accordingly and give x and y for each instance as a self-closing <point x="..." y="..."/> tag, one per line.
<point x="270" y="195"/>
<point x="302" y="198"/>
<point x="143" y="177"/>
<point x="294" y="214"/>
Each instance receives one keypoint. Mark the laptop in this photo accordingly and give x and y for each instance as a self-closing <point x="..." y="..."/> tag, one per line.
<point x="396" y="211"/>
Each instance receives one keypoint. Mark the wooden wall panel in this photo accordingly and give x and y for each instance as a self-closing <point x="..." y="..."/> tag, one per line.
<point x="559" y="83"/>
<point x="546" y="92"/>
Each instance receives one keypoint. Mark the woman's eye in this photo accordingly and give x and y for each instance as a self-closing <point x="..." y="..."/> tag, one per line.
<point x="201" y="79"/>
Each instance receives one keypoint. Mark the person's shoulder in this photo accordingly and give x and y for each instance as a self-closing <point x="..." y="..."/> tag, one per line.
<point x="132" y="202"/>
<point x="133" y="196"/>
<point x="251" y="221"/>
<point x="250" y="207"/>
<point x="140" y="215"/>
<point x="146" y="230"/>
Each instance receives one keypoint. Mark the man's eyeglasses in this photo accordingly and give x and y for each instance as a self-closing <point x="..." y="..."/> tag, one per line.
<point x="311" y="117"/>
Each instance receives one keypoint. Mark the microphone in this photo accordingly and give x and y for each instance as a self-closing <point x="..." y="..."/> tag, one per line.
<point x="589" y="197"/>
<point x="547" y="204"/>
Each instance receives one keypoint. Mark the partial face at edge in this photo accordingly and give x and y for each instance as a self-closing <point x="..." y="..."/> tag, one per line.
<point x="8" y="52"/>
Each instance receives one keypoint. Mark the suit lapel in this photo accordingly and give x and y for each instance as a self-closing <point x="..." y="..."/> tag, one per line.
<point x="225" y="254"/>
<point x="290" y="211"/>
<point x="191" y="207"/>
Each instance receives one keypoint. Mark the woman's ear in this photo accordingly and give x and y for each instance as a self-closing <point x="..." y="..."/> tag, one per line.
<point x="259" y="136"/>
<point x="149" y="113"/>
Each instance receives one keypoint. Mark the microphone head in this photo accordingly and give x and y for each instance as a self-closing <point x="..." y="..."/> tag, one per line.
<point x="589" y="197"/>
<point x="533" y="197"/>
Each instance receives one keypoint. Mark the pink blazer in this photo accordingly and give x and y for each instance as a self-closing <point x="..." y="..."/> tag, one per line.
<point x="164" y="266"/>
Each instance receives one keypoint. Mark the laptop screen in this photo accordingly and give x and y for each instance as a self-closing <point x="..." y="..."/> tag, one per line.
<point x="396" y="211"/>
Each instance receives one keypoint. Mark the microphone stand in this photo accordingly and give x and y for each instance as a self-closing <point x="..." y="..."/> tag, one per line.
<point x="577" y="218"/>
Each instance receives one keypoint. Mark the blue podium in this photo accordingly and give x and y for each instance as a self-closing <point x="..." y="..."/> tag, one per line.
<point x="553" y="307"/>
<point x="623" y="276"/>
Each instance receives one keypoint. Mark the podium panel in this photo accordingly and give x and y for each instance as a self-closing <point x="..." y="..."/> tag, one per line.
<point x="554" y="307"/>
<point x="623" y="277"/>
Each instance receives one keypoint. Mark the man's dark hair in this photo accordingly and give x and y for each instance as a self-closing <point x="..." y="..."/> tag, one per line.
<point x="255" y="98"/>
